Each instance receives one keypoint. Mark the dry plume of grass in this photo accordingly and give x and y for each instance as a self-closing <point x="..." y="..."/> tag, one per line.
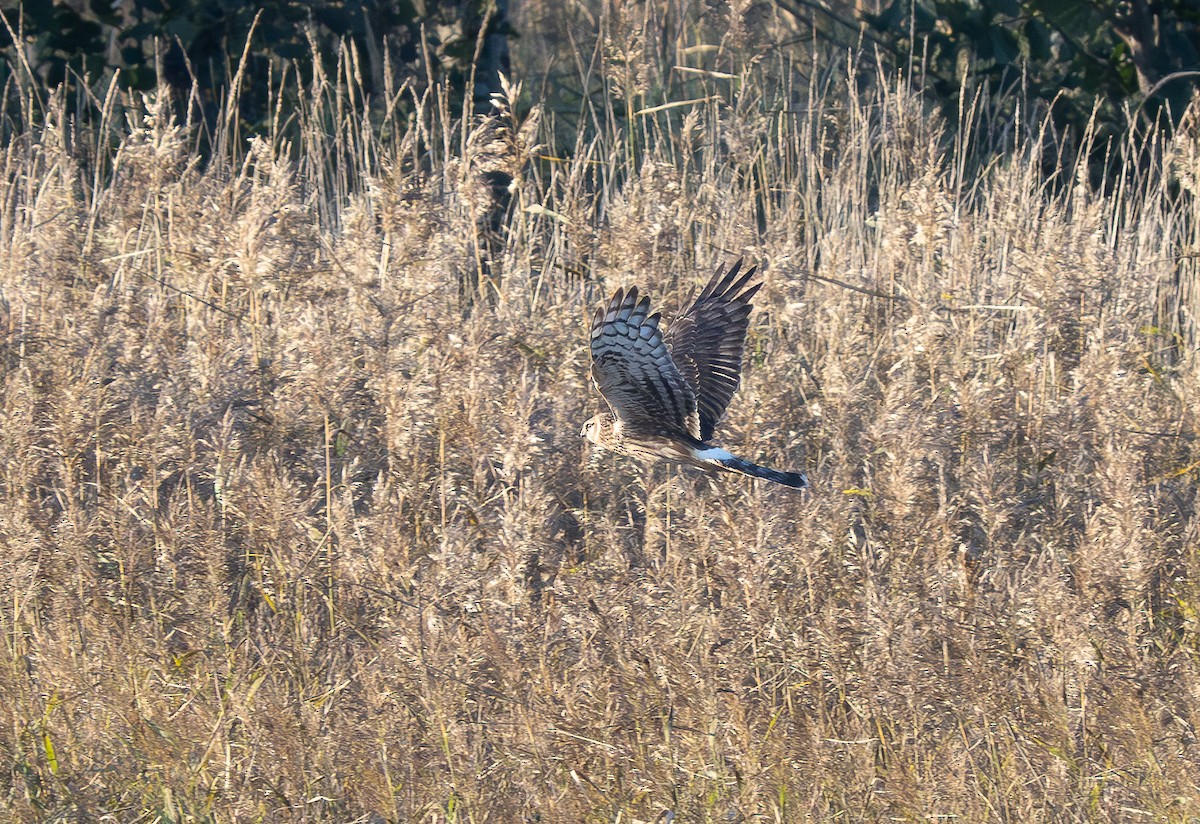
<point x="295" y="523"/>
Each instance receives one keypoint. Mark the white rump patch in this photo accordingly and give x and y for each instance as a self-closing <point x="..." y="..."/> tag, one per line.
<point x="712" y="454"/>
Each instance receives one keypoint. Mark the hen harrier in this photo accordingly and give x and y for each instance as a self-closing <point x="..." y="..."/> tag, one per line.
<point x="668" y="389"/>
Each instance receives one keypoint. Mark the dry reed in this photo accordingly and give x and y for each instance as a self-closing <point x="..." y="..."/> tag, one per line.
<point x="295" y="522"/>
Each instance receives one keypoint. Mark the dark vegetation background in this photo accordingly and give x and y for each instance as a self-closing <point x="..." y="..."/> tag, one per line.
<point x="1112" y="60"/>
<point x="295" y="523"/>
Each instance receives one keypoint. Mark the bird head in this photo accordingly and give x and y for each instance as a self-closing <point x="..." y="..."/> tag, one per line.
<point x="597" y="428"/>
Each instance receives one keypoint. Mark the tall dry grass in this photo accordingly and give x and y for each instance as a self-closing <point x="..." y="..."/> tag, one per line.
<point x="296" y="524"/>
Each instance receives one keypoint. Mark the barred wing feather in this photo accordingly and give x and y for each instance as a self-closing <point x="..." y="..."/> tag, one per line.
<point x="706" y="343"/>
<point x="633" y="370"/>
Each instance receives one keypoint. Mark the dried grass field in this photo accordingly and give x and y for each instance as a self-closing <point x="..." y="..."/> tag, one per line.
<point x="296" y="523"/>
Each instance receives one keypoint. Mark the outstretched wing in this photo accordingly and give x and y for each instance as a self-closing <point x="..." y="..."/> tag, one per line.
<point x="706" y="342"/>
<point x="633" y="369"/>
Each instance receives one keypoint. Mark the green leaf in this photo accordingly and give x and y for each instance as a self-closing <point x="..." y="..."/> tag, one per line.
<point x="1037" y="34"/>
<point x="139" y="32"/>
<point x="291" y="51"/>
<point x="1005" y="48"/>
<point x="893" y="17"/>
<point x="103" y="9"/>
<point x="1079" y="19"/>
<point x="48" y="747"/>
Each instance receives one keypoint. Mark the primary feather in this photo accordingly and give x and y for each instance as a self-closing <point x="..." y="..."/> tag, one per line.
<point x="635" y="372"/>
<point x="706" y="343"/>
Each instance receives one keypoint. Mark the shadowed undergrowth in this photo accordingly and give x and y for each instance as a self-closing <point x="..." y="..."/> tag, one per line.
<point x="296" y="524"/>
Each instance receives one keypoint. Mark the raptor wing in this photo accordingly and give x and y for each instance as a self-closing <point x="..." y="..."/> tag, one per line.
<point x="707" y="340"/>
<point x="634" y="371"/>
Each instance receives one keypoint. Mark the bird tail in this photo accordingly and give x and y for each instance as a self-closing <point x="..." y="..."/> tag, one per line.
<point x="732" y="463"/>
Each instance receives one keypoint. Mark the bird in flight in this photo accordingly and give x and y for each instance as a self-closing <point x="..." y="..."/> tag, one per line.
<point x="667" y="389"/>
